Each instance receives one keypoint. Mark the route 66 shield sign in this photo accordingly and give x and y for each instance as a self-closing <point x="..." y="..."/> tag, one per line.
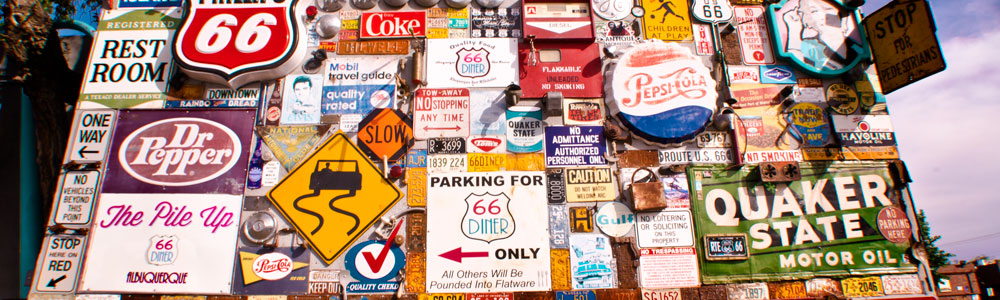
<point x="162" y="250"/>
<point x="235" y="44"/>
<point x="473" y="63"/>
<point x="487" y="217"/>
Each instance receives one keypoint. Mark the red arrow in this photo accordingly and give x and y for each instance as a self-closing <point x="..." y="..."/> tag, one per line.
<point x="457" y="254"/>
<point x="456" y="128"/>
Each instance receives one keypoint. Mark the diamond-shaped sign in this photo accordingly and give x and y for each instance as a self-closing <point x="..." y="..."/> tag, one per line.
<point x="334" y="196"/>
<point x="385" y="134"/>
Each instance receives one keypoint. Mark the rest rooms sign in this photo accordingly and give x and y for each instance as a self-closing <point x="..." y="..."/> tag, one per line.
<point x="567" y="146"/>
<point x="490" y="232"/>
<point x="130" y="61"/>
<point x="825" y="223"/>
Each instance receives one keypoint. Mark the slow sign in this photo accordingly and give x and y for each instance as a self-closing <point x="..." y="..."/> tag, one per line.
<point x="385" y="134"/>
<point x="903" y="40"/>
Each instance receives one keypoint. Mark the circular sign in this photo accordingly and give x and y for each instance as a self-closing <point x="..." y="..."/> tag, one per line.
<point x="842" y="98"/>
<point x="612" y="10"/>
<point x="615" y="219"/>
<point x="894" y="225"/>
<point x="662" y="92"/>
<point x="363" y="271"/>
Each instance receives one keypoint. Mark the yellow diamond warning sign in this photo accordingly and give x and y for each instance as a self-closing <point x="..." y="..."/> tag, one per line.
<point x="334" y="196"/>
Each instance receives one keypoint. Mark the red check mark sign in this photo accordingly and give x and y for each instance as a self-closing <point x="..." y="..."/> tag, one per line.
<point x="376" y="262"/>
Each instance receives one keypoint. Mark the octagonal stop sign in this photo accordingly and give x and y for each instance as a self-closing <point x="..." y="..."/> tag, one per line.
<point x="385" y="134"/>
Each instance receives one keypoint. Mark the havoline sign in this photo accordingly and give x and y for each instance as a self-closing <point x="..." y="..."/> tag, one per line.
<point x="825" y="224"/>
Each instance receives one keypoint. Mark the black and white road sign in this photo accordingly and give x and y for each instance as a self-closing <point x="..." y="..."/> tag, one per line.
<point x="75" y="197"/>
<point x="90" y="136"/>
<point x="59" y="264"/>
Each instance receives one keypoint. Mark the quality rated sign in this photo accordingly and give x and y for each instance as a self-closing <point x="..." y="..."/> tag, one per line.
<point x="487" y="232"/>
<point x="91" y="133"/>
<point x="441" y="113"/>
<point x="59" y="264"/>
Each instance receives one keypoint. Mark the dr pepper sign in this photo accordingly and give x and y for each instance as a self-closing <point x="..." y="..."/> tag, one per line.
<point x="235" y="44"/>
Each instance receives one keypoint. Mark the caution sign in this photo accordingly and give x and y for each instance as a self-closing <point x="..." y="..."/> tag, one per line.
<point x="334" y="196"/>
<point x="385" y="134"/>
<point x="906" y="49"/>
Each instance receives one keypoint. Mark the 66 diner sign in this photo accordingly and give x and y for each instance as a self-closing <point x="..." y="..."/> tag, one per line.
<point x="235" y="44"/>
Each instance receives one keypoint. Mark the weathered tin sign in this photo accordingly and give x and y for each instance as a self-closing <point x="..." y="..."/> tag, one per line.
<point x="664" y="268"/>
<point x="525" y="129"/>
<point x="615" y="219"/>
<point x="583" y="111"/>
<point x="618" y="33"/>
<point x="567" y="146"/>
<point x="561" y="20"/>
<point x="656" y="83"/>
<point x="573" y="69"/>
<point x="755" y="43"/>
<point x="58" y="265"/>
<point x="666" y="228"/>
<point x="747" y="291"/>
<point x="821" y="38"/>
<point x="290" y="144"/>
<point x="455" y="145"/>
<point x="820" y="287"/>
<point x="862" y="286"/>
<point x="589" y="184"/>
<point x="461" y="63"/>
<point x="271" y="272"/>
<point x="441" y="113"/>
<point x="558" y="226"/>
<point x="819" y="228"/>
<point x="905" y="284"/>
<point x="357" y="84"/>
<point x="581" y="219"/>
<point x="667" y="20"/>
<point x="504" y="22"/>
<point x="395" y="24"/>
<point x="809" y="125"/>
<point x="904" y="43"/>
<point x="864" y="130"/>
<point x="591" y="263"/>
<point x="301" y="103"/>
<point x="125" y="71"/>
<point x="525" y="162"/>
<point x="348" y="46"/>
<point x="478" y="221"/>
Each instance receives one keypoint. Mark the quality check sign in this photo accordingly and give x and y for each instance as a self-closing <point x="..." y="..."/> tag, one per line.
<point x="373" y="264"/>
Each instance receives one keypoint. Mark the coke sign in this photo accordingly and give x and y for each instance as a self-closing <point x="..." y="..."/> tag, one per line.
<point x="234" y="44"/>
<point x="393" y="24"/>
<point x="179" y="151"/>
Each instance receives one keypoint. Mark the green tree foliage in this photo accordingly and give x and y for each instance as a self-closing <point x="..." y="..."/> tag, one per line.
<point x="26" y="27"/>
<point x="935" y="256"/>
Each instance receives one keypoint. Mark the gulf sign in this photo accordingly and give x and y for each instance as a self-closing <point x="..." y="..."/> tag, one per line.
<point x="400" y="24"/>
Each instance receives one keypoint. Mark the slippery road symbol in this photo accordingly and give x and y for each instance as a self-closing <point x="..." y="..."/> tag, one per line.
<point x="325" y="179"/>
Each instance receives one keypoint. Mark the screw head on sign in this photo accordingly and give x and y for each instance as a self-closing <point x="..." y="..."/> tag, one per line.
<point x="395" y="172"/>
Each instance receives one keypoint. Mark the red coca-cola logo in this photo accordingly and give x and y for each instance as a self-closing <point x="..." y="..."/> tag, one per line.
<point x="179" y="151"/>
<point x="272" y="266"/>
<point x="486" y="144"/>
<point x="393" y="24"/>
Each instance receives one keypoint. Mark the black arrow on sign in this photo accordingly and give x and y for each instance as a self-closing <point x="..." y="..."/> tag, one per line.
<point x="84" y="150"/>
<point x="54" y="281"/>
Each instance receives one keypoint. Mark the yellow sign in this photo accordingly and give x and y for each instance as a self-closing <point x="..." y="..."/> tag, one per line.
<point x="487" y="162"/>
<point x="589" y="184"/>
<point x="334" y="196"/>
<point x="904" y="44"/>
<point x="441" y="297"/>
<point x="525" y="162"/>
<point x="416" y="272"/>
<point x="416" y="187"/>
<point x="247" y="260"/>
<point x="560" y="270"/>
<point x="862" y="287"/>
<point x="437" y="33"/>
<point x="350" y="24"/>
<point x="851" y="153"/>
<point x="458" y="13"/>
<point x="666" y="20"/>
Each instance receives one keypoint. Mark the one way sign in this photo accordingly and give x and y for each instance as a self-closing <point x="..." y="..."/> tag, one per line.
<point x="91" y="134"/>
<point x="59" y="264"/>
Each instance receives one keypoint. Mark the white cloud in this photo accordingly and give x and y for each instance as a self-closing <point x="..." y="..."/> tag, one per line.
<point x="948" y="128"/>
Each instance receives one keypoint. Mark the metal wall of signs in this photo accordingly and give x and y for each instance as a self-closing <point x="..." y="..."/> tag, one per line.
<point x="487" y="149"/>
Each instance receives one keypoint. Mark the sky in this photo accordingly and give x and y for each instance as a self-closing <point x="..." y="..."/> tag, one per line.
<point x="946" y="127"/>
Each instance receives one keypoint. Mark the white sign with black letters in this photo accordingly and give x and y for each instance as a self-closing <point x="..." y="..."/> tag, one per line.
<point x="75" y="198"/>
<point x="90" y="136"/>
<point x="664" y="229"/>
<point x="59" y="263"/>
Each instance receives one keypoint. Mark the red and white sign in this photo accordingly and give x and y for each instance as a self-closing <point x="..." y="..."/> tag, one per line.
<point x="743" y="74"/>
<point x="441" y="113"/>
<point x="754" y="40"/>
<point x="272" y="266"/>
<point x="661" y="268"/>
<point x="703" y="39"/>
<point x="487" y="144"/>
<point x="558" y="21"/>
<point x="574" y="69"/>
<point x="179" y="151"/>
<point x="235" y="44"/>
<point x="399" y="24"/>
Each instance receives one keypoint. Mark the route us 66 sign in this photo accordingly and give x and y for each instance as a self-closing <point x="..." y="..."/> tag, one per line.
<point x="712" y="11"/>
<point x="234" y="44"/>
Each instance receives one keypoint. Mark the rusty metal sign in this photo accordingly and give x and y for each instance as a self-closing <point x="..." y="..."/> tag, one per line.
<point x="560" y="269"/>
<point x="416" y="271"/>
<point x="904" y="43"/>
<point x="416" y="232"/>
<point x="862" y="286"/>
<point x="787" y="289"/>
<point x="747" y="291"/>
<point x="381" y="47"/>
<point x="819" y="287"/>
<point x="416" y="186"/>
<point x="581" y="219"/>
<point x="638" y="158"/>
<point x="487" y="162"/>
<point x="525" y="162"/>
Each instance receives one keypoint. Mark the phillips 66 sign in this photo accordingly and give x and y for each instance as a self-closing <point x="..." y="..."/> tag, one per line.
<point x="233" y="44"/>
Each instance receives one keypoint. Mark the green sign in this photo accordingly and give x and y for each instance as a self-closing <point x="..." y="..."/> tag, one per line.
<point x="822" y="225"/>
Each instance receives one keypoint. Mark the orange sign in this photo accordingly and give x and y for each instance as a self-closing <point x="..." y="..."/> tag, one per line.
<point x="385" y="134"/>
